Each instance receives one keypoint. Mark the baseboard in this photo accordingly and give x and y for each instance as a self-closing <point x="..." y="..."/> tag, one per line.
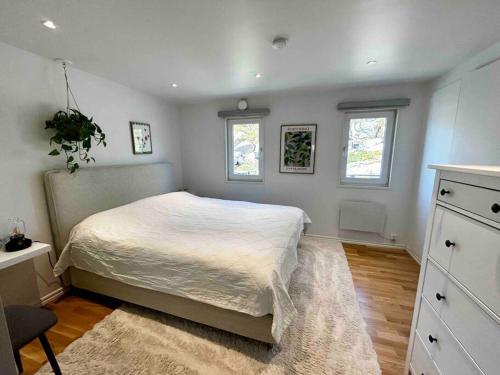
<point x="413" y="255"/>
<point x="361" y="242"/>
<point x="54" y="295"/>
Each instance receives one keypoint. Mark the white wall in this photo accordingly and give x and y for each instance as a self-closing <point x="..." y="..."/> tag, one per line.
<point x="31" y="90"/>
<point x="438" y="143"/>
<point x="203" y="155"/>
<point x="463" y="127"/>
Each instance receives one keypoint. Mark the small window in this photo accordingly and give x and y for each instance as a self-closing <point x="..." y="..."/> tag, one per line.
<point x="368" y="139"/>
<point x="245" y="145"/>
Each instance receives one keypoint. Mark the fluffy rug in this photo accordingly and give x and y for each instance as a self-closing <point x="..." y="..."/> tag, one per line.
<point x="327" y="337"/>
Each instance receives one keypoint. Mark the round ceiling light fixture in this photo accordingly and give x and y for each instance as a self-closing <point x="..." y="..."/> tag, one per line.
<point x="371" y="62"/>
<point x="242" y="104"/>
<point x="279" y="42"/>
<point x="258" y="75"/>
<point x="49" y="24"/>
<point x="175" y="85"/>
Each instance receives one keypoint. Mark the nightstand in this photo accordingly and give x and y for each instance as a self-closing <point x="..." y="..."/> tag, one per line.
<point x="17" y="275"/>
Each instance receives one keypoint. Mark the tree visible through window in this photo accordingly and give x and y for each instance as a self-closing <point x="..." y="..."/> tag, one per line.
<point x="367" y="148"/>
<point x="244" y="149"/>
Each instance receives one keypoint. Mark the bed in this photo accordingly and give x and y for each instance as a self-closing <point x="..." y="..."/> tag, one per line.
<point x="125" y="232"/>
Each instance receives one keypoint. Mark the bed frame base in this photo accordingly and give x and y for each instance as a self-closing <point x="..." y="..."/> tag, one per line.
<point x="257" y="328"/>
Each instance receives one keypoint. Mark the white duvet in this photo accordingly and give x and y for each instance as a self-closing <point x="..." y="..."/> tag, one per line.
<point x="234" y="255"/>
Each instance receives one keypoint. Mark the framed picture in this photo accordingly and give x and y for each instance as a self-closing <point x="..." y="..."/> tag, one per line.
<point x="141" y="138"/>
<point x="298" y="148"/>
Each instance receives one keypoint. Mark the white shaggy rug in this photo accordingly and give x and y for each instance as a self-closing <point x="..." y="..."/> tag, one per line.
<point x="327" y="337"/>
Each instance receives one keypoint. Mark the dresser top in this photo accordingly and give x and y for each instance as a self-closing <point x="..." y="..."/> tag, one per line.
<point x="483" y="170"/>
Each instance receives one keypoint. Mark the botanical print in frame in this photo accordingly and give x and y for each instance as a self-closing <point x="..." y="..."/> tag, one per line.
<point x="298" y="148"/>
<point x="141" y="138"/>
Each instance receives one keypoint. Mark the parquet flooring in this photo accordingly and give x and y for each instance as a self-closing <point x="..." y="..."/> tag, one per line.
<point x="385" y="282"/>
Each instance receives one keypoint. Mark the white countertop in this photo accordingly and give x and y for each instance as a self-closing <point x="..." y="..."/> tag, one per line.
<point x="8" y="259"/>
<point x="484" y="170"/>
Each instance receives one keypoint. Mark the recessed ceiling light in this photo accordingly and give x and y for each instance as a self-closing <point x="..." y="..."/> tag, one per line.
<point x="258" y="75"/>
<point x="49" y="24"/>
<point x="371" y="62"/>
<point x="174" y="85"/>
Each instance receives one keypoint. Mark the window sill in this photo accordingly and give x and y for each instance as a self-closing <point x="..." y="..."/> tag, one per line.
<point x="360" y="186"/>
<point x="251" y="182"/>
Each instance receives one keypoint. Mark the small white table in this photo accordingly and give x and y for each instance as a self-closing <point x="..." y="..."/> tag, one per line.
<point x="9" y="259"/>
<point x="18" y="283"/>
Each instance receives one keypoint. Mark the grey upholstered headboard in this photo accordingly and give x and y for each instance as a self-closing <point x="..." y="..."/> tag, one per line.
<point x="73" y="197"/>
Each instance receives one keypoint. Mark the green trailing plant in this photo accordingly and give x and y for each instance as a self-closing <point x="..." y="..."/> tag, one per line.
<point x="74" y="133"/>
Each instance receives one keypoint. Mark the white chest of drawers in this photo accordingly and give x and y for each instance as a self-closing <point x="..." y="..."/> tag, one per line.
<point x="456" y="323"/>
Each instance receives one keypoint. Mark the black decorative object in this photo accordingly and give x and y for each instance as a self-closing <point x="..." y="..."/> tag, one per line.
<point x="17" y="243"/>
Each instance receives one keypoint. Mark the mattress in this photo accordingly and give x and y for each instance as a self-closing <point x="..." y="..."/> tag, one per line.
<point x="230" y="254"/>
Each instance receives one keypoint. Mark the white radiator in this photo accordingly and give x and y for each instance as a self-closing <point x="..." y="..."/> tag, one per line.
<point x="362" y="216"/>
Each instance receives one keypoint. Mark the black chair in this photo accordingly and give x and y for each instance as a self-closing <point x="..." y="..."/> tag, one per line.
<point x="25" y="323"/>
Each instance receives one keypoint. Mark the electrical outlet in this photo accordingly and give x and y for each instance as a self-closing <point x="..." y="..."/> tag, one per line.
<point x="394" y="237"/>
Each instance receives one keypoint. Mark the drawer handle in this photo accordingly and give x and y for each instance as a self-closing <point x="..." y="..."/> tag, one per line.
<point x="443" y="192"/>
<point x="448" y="243"/>
<point x="439" y="297"/>
<point x="432" y="339"/>
<point x="495" y="208"/>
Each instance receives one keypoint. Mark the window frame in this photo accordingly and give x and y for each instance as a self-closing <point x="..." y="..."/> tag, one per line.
<point x="230" y="175"/>
<point x="387" y="158"/>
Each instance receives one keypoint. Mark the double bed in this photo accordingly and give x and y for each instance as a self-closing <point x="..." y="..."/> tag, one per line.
<point x="125" y="232"/>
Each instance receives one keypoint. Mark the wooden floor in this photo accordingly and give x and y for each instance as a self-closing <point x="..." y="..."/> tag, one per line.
<point x="385" y="283"/>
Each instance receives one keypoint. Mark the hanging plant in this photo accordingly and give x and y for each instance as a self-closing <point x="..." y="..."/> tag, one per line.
<point x="74" y="133"/>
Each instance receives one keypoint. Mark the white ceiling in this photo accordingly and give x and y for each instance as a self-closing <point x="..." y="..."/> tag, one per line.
<point x="214" y="48"/>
